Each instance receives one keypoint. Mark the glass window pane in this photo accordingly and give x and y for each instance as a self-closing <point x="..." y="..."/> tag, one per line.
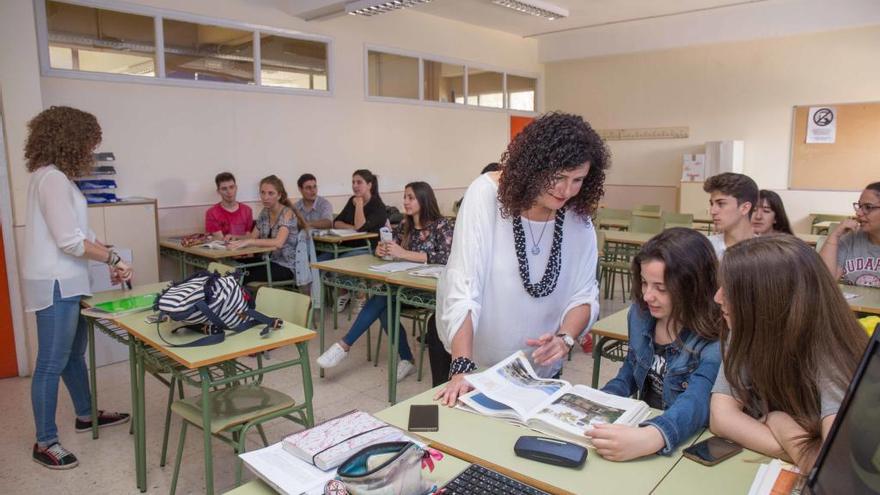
<point x="392" y="75"/>
<point x="487" y="86"/>
<point x="522" y="92"/>
<point x="98" y="40"/>
<point x="444" y="82"/>
<point x="208" y="53"/>
<point x="293" y="63"/>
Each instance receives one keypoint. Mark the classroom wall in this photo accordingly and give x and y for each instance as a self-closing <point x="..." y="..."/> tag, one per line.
<point x="742" y="90"/>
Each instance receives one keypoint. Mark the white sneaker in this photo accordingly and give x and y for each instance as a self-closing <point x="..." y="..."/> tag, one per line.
<point x="342" y="302"/>
<point x="332" y="356"/>
<point x="404" y="369"/>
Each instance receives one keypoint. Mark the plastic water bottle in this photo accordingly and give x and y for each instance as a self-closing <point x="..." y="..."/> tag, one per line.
<point x="385" y="236"/>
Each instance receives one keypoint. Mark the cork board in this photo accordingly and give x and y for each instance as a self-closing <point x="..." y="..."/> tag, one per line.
<point x="849" y="163"/>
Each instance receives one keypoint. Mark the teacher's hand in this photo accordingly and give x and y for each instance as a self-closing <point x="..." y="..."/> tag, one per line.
<point x="550" y="349"/>
<point x="455" y="387"/>
<point x="121" y="272"/>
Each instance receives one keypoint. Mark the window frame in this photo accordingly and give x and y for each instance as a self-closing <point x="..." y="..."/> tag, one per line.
<point x="160" y="79"/>
<point x="422" y="57"/>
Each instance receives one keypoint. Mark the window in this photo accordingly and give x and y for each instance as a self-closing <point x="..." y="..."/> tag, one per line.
<point x="488" y="86"/>
<point x="97" y="40"/>
<point x="293" y="63"/>
<point x="208" y="53"/>
<point x="412" y="77"/>
<point x="443" y="82"/>
<point x="393" y="76"/>
<point x="114" y="45"/>
<point x="521" y="92"/>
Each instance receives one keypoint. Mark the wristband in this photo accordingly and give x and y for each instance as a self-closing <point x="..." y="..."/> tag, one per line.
<point x="113" y="258"/>
<point x="461" y="365"/>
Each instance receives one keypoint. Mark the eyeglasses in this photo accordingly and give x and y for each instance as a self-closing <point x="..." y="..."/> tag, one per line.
<point x="865" y="207"/>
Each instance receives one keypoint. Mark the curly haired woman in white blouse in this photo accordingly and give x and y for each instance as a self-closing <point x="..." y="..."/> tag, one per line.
<point x="522" y="272"/>
<point x="58" y="247"/>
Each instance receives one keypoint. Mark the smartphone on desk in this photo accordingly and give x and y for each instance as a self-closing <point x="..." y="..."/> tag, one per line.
<point x="712" y="450"/>
<point x="423" y="417"/>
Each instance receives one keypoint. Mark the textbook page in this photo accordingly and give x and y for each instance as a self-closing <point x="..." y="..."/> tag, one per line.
<point x="514" y="383"/>
<point x="285" y="472"/>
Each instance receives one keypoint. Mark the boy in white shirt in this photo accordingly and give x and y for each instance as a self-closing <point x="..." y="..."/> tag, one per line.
<point x="732" y="198"/>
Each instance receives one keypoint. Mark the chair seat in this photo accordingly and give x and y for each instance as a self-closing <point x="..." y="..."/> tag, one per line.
<point x="233" y="406"/>
<point x="414" y="313"/>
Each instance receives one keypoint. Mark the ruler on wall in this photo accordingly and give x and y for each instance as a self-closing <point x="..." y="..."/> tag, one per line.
<point x="644" y="133"/>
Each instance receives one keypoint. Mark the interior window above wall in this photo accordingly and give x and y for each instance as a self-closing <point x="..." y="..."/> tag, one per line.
<point x="393" y="76"/>
<point x="96" y="40"/>
<point x="208" y="53"/>
<point x="292" y="63"/>
<point x="487" y="87"/>
<point x="521" y="92"/>
<point x="443" y="82"/>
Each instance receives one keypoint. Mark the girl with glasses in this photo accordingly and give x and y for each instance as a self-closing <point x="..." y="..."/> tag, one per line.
<point x="852" y="251"/>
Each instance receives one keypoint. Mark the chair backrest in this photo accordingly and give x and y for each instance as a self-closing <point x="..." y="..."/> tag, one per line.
<point x="600" y="243"/>
<point x="646" y="225"/>
<point x="678" y="218"/>
<point x="290" y="306"/>
<point x="651" y="208"/>
<point x="820" y="241"/>
<point x="220" y="268"/>
<point x="615" y="213"/>
<point x="828" y="218"/>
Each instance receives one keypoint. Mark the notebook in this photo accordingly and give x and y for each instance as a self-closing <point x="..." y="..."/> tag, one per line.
<point x="328" y="444"/>
<point x="123" y="306"/>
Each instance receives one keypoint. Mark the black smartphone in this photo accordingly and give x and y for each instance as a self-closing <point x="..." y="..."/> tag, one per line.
<point x="423" y="417"/>
<point x="712" y="450"/>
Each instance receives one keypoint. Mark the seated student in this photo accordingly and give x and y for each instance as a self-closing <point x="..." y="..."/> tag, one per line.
<point x="228" y="219"/>
<point x="769" y="216"/>
<point x="364" y="212"/>
<point x="315" y="210"/>
<point x="789" y="351"/>
<point x="852" y="250"/>
<point x="674" y="352"/>
<point x="424" y="236"/>
<point x="276" y="227"/>
<point x="732" y="197"/>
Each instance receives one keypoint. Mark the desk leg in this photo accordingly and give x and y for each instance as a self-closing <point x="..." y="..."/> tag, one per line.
<point x="393" y="337"/>
<point x="132" y="366"/>
<point x="93" y="378"/>
<point x="268" y="263"/>
<point x="206" y="430"/>
<point x="140" y="427"/>
<point x="321" y="326"/>
<point x="308" y="392"/>
<point x="597" y="358"/>
<point x="336" y="292"/>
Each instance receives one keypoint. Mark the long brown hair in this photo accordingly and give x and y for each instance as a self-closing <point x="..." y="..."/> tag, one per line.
<point x="689" y="274"/>
<point x="275" y="182"/>
<point x="429" y="211"/>
<point x="791" y="330"/>
<point x="64" y="137"/>
<point x="780" y="219"/>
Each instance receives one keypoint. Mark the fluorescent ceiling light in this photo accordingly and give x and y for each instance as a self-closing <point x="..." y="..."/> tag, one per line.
<point x="375" y="7"/>
<point x="537" y="8"/>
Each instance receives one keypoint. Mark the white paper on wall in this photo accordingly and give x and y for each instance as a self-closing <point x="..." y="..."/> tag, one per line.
<point x="822" y="125"/>
<point x="693" y="168"/>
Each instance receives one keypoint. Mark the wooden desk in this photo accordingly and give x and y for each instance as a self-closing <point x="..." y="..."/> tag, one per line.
<point x="868" y="300"/>
<point x="611" y="330"/>
<point x="614" y="223"/>
<point x="640" y="238"/>
<point x="645" y="213"/>
<point x="733" y="476"/>
<point x="489" y="442"/>
<point x="201" y="257"/>
<point x="144" y="336"/>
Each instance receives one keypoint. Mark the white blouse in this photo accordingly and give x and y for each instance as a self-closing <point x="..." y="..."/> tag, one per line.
<point x="57" y="226"/>
<point x="482" y="278"/>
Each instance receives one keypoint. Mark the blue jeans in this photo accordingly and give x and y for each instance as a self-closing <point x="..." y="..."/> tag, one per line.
<point x="376" y="309"/>
<point x="62" y="340"/>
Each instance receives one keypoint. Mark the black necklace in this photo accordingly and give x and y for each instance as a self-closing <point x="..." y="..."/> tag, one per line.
<point x="551" y="274"/>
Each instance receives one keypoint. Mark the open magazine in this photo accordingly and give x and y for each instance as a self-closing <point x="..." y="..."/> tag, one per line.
<point x="511" y="390"/>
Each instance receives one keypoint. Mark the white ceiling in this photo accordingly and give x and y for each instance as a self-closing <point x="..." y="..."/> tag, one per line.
<point x="582" y="13"/>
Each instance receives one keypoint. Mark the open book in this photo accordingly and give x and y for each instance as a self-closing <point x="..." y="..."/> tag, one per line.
<point x="511" y="390"/>
<point x="430" y="271"/>
<point x="336" y="232"/>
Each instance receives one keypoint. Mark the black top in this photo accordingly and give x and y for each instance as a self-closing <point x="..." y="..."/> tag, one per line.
<point x="653" y="394"/>
<point x="374" y="211"/>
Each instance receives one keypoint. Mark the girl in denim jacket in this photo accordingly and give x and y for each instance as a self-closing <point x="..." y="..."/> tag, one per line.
<point x="674" y="352"/>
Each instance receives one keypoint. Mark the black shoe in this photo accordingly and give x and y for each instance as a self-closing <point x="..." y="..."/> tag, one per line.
<point x="55" y="457"/>
<point x="104" y="419"/>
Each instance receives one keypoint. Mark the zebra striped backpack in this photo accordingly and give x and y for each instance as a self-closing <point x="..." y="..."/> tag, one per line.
<point x="211" y="304"/>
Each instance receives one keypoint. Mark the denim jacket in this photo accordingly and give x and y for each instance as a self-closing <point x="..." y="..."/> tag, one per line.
<point x="690" y="374"/>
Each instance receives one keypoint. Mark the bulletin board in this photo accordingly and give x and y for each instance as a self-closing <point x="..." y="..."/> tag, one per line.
<point x="847" y="164"/>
